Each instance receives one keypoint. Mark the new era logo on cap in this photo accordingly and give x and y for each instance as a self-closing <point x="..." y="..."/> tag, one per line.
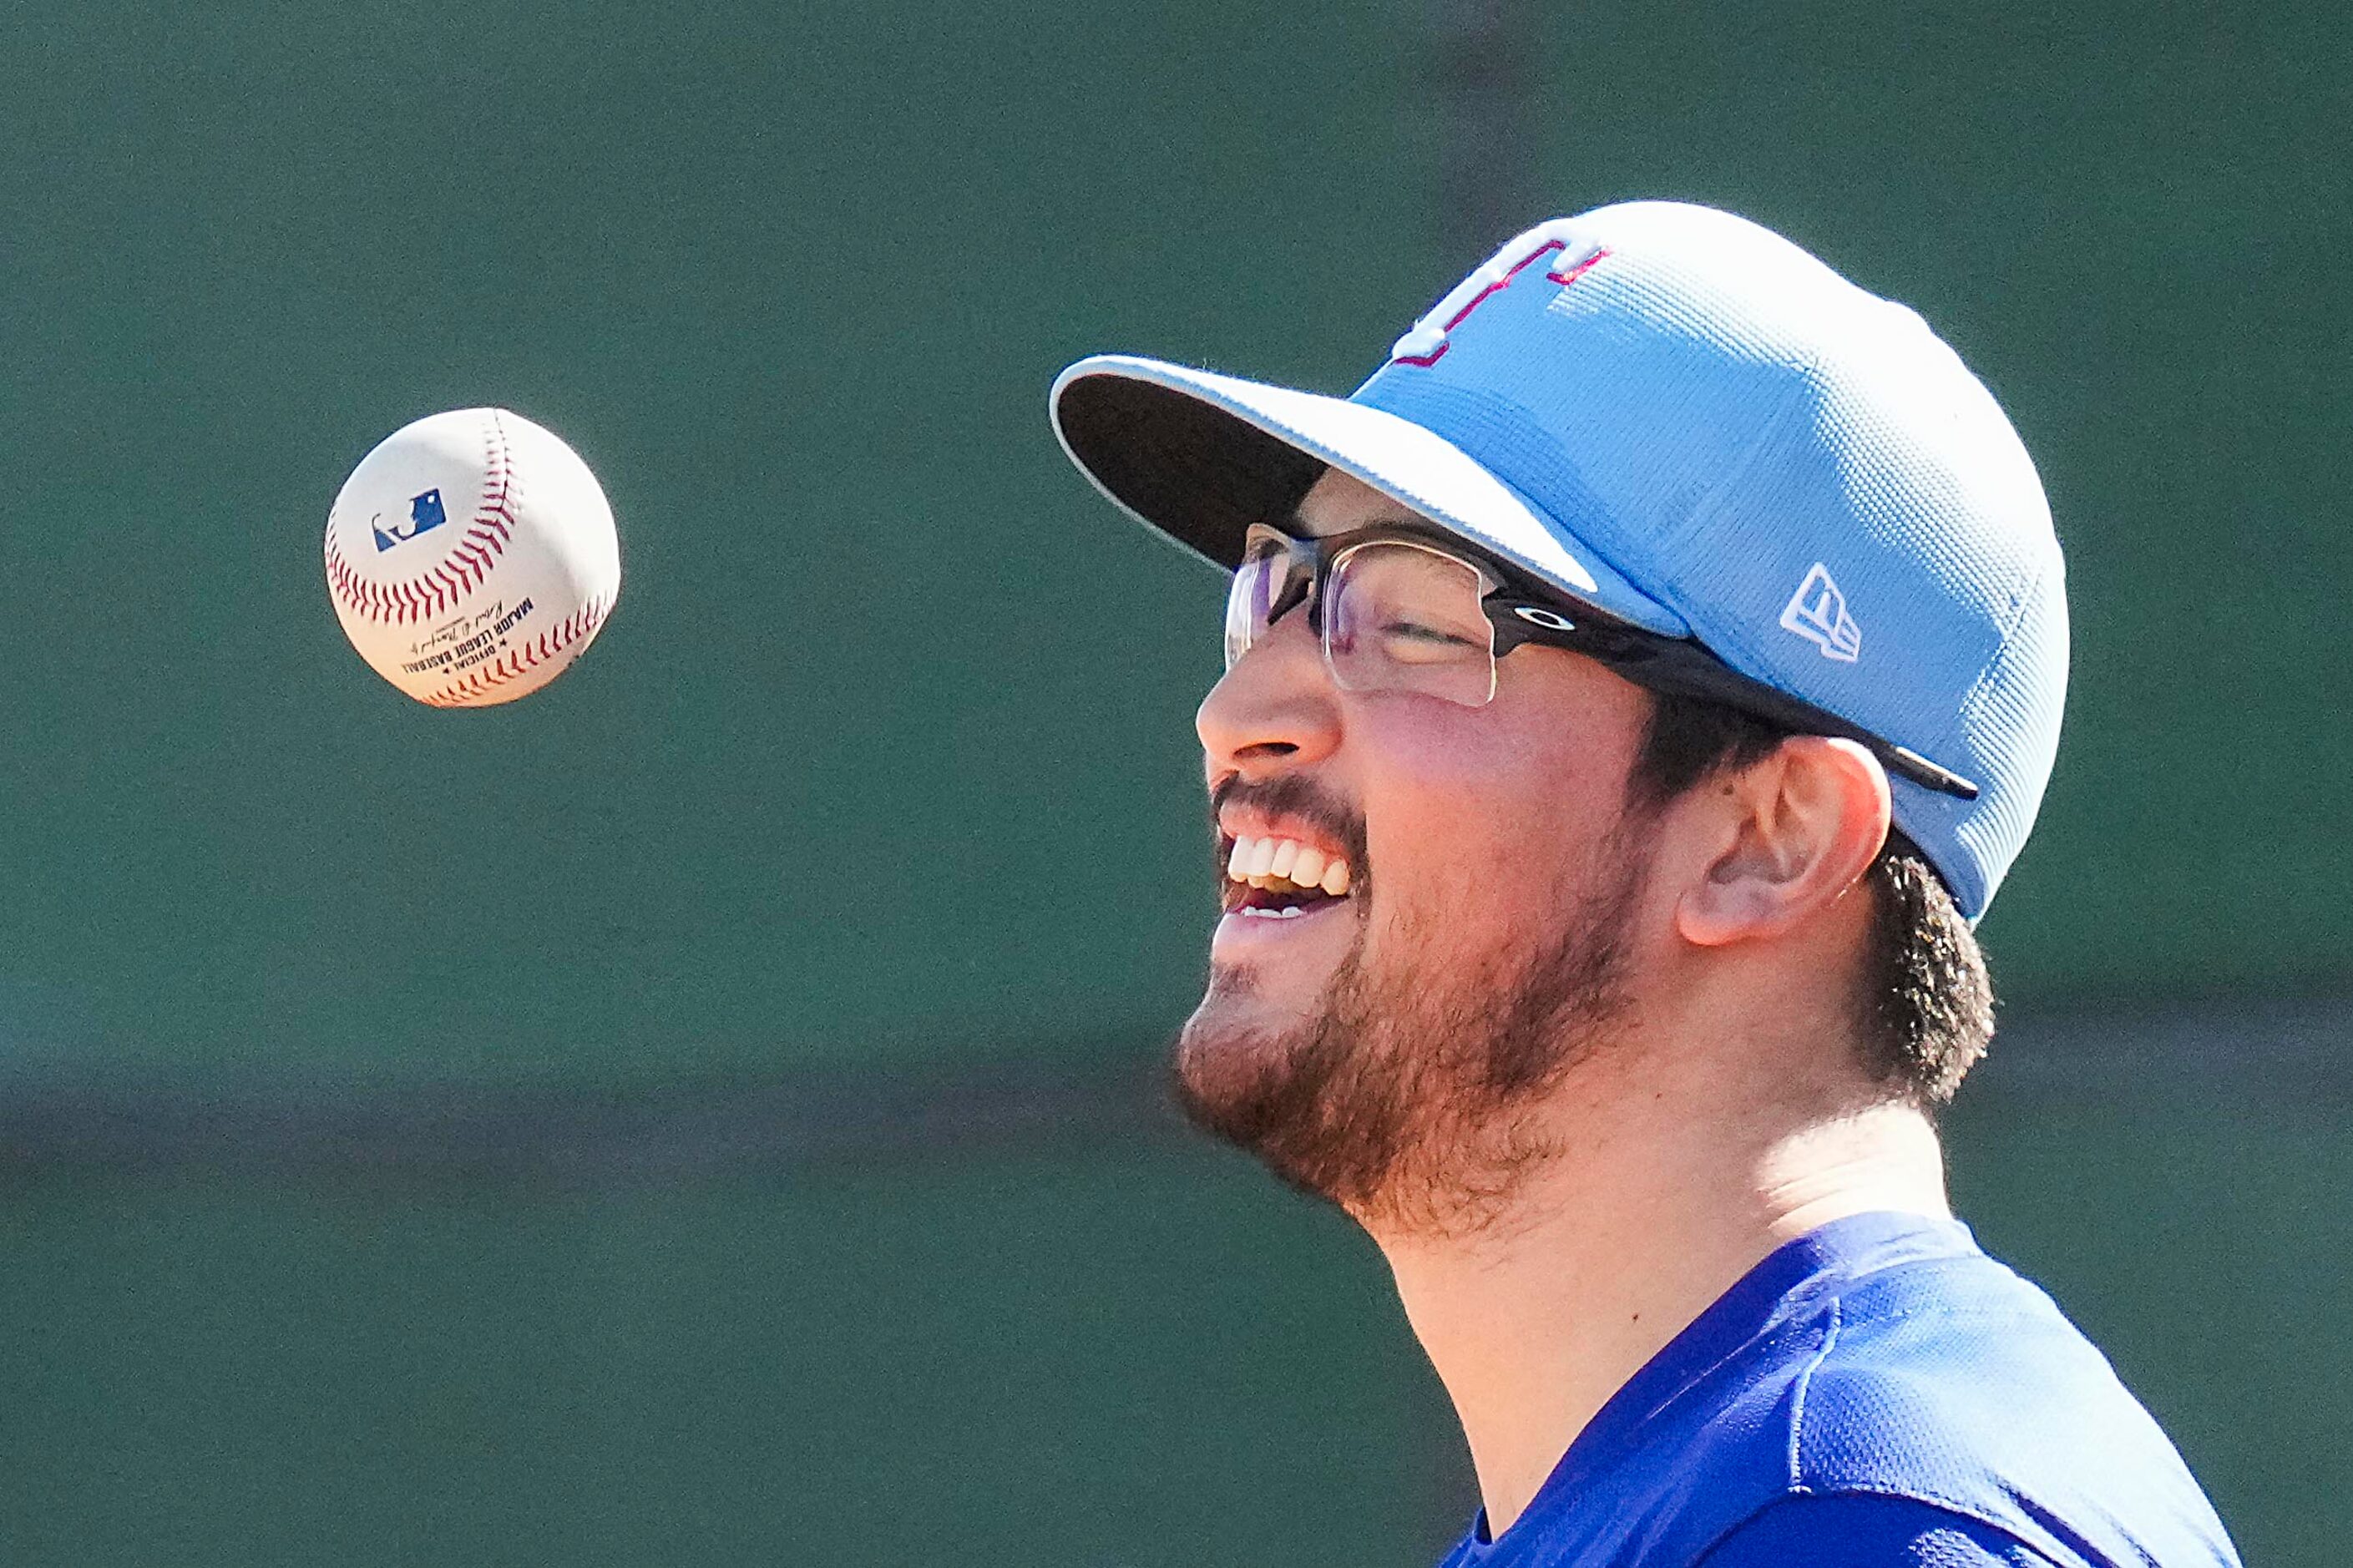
<point x="1816" y="611"/>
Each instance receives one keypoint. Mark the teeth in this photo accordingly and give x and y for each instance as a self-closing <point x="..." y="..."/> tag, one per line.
<point x="1265" y="862"/>
<point x="1261" y="859"/>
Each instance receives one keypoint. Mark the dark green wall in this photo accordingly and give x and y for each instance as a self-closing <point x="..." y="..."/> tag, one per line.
<point x="1069" y="1360"/>
<point x="888" y="746"/>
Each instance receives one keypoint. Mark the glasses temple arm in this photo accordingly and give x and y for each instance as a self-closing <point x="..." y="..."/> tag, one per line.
<point x="1688" y="668"/>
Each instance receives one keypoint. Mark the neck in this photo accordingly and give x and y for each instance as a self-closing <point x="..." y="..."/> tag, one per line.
<point x="1654" y="1207"/>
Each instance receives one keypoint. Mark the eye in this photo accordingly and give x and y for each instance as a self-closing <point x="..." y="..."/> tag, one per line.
<point x="1416" y="642"/>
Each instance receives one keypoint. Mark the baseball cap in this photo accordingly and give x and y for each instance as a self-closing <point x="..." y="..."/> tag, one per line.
<point x="1689" y="422"/>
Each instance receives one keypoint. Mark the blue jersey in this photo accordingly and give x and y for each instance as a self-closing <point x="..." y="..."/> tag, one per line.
<point x="1877" y="1394"/>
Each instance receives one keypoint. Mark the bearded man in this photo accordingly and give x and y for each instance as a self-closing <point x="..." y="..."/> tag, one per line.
<point x="1634" y="693"/>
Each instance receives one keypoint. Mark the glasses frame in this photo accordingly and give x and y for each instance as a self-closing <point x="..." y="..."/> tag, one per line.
<point x="1521" y="611"/>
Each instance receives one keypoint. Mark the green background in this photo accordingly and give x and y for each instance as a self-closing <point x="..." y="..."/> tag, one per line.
<point x="885" y="764"/>
<point x="1091" y="1355"/>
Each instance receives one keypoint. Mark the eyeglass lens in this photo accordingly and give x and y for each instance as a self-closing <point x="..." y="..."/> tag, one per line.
<point x="1258" y="585"/>
<point x="1396" y="617"/>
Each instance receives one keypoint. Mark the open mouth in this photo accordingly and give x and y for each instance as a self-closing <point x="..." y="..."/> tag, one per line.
<point x="1282" y="879"/>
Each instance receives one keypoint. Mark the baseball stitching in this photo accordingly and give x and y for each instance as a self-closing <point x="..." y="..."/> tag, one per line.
<point x="439" y="588"/>
<point x="576" y="627"/>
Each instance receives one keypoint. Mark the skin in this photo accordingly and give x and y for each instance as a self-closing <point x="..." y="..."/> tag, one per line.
<point x="1709" y="1107"/>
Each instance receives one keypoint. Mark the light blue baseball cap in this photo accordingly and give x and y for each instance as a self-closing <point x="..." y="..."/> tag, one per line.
<point x="1689" y="422"/>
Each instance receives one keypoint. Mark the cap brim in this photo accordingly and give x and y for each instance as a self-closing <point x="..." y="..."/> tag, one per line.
<point x="1201" y="456"/>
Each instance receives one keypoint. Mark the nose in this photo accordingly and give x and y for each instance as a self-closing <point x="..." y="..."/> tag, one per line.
<point x="1276" y="706"/>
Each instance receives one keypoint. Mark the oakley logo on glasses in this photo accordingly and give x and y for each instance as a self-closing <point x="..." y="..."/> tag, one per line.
<point x="1550" y="619"/>
<point x="1427" y="344"/>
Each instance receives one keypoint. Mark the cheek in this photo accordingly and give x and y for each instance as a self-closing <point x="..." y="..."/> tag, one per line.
<point x="1476" y="825"/>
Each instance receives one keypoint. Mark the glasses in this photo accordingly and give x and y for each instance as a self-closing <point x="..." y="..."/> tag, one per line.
<point x="1399" y="613"/>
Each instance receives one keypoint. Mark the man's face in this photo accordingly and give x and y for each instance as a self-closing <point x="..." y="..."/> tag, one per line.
<point x="1380" y="1048"/>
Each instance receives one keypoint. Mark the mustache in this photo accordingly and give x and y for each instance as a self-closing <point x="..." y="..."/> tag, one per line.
<point x="1295" y="795"/>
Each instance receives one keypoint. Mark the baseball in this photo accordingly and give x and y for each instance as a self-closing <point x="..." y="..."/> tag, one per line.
<point x="472" y="558"/>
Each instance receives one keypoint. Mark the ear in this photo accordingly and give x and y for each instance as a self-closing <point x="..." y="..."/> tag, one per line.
<point x="1794" y="832"/>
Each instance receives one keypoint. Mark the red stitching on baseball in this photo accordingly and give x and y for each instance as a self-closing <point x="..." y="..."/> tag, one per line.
<point x="578" y="627"/>
<point x="437" y="588"/>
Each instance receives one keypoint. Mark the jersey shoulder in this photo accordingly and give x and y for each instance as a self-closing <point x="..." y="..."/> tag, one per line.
<point x="1859" y="1529"/>
<point x="1956" y="1382"/>
<point x="1881" y="1359"/>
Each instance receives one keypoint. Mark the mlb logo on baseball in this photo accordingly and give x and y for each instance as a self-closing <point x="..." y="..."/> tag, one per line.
<point x="424" y="512"/>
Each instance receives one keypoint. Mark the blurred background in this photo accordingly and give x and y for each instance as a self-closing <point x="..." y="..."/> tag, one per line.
<point x="709" y="1111"/>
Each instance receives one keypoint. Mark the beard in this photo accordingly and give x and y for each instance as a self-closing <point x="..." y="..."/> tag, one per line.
<point x="1406" y="1098"/>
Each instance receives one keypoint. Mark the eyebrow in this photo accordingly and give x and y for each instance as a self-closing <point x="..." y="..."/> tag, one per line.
<point x="1295" y="524"/>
